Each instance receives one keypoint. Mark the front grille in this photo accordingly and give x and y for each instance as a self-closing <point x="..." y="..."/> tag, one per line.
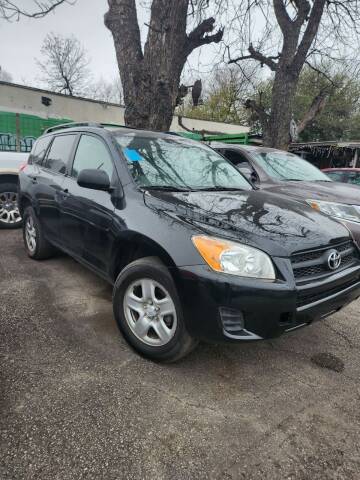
<point x="313" y="264"/>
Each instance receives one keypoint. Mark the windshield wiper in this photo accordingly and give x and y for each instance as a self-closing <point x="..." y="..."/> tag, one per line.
<point x="322" y="180"/>
<point x="166" y="188"/>
<point x="293" y="180"/>
<point x="219" y="189"/>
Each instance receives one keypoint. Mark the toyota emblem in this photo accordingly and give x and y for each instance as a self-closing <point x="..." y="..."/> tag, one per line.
<point x="334" y="260"/>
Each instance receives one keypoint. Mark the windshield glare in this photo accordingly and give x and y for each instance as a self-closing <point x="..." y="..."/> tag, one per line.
<point x="286" y="166"/>
<point x="167" y="162"/>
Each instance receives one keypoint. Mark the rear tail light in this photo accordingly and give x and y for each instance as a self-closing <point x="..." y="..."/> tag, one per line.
<point x="22" y="166"/>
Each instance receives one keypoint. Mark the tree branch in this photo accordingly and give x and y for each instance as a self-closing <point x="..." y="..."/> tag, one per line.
<point x="303" y="9"/>
<point x="259" y="110"/>
<point x="310" y="33"/>
<point x="10" y="11"/>
<point x="317" y="106"/>
<point x="282" y="16"/>
<point x="199" y="37"/>
<point x="256" y="55"/>
<point x="323" y="74"/>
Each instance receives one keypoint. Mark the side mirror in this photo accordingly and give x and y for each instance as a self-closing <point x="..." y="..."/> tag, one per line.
<point x="249" y="174"/>
<point x="94" y="179"/>
<point x="254" y="178"/>
<point x="246" y="171"/>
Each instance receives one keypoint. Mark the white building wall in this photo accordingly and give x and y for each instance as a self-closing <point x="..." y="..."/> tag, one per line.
<point x="20" y="99"/>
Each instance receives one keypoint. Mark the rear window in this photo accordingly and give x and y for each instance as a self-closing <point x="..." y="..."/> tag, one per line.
<point x="39" y="150"/>
<point x="59" y="153"/>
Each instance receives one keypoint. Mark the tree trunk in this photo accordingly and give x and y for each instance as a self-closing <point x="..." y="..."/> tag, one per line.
<point x="151" y="78"/>
<point x="277" y="127"/>
<point x="298" y="33"/>
<point x="164" y="60"/>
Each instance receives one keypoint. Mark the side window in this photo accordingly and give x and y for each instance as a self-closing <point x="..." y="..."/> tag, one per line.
<point x="59" y="153"/>
<point x="39" y="150"/>
<point x="353" y="178"/>
<point x="92" y="153"/>
<point x="237" y="159"/>
<point x="241" y="163"/>
<point x="336" y="176"/>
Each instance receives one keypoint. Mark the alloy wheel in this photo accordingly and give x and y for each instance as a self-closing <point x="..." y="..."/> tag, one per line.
<point x="150" y="312"/>
<point x="9" y="210"/>
<point x="30" y="234"/>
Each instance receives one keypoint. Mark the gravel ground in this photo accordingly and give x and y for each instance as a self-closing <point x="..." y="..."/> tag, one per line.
<point x="77" y="403"/>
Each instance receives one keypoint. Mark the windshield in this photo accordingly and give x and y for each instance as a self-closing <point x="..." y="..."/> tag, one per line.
<point x="286" y="166"/>
<point x="177" y="163"/>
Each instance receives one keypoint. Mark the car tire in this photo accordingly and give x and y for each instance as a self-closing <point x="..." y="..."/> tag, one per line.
<point x="36" y="245"/>
<point x="145" y="291"/>
<point x="9" y="210"/>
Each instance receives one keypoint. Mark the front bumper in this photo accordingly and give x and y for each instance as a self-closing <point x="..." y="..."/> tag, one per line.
<point x="214" y="302"/>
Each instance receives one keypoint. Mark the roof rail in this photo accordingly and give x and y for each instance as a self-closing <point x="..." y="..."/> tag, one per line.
<point x="72" y="125"/>
<point x="104" y="125"/>
<point x="88" y="124"/>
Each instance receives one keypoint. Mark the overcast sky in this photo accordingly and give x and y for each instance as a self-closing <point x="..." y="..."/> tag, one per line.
<point x="21" y="41"/>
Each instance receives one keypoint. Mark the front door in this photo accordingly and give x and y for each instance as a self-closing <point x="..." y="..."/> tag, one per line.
<point x="87" y="215"/>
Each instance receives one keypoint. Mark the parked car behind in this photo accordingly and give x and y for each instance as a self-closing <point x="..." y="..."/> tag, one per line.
<point x="345" y="175"/>
<point x="191" y="249"/>
<point x="293" y="177"/>
<point x="10" y="162"/>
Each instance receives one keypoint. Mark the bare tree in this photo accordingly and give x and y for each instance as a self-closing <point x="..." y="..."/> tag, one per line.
<point x="151" y="75"/>
<point x="65" y="64"/>
<point x="11" y="10"/>
<point x="5" y="76"/>
<point x="106" y="91"/>
<point x="305" y="27"/>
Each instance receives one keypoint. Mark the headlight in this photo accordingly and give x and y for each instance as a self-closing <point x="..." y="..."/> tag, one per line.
<point x="337" y="210"/>
<point x="234" y="258"/>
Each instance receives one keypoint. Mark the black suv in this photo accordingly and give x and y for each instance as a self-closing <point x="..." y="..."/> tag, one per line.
<point x="192" y="250"/>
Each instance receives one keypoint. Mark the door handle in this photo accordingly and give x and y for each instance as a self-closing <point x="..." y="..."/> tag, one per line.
<point x="33" y="179"/>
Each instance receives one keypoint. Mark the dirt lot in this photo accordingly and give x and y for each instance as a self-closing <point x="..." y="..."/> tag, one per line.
<point x="76" y="402"/>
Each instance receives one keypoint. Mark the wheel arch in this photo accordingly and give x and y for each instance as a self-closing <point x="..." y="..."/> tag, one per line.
<point x="9" y="178"/>
<point x="24" y="203"/>
<point x="133" y="246"/>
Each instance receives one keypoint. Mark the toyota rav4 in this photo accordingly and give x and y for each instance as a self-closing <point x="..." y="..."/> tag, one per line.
<point x="191" y="249"/>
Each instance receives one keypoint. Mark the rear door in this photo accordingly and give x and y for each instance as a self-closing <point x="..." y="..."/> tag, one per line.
<point x="48" y="180"/>
<point x="86" y="215"/>
<point x="29" y="182"/>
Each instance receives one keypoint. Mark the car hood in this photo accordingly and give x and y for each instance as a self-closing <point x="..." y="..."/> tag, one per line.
<point x="10" y="162"/>
<point x="327" y="191"/>
<point x="261" y="219"/>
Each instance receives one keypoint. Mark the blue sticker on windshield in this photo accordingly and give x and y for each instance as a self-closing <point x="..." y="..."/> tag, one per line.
<point x="133" y="155"/>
